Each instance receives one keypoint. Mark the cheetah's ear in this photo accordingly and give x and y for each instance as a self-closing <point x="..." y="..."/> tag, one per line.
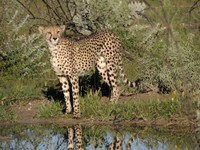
<point x="63" y="28"/>
<point x="41" y="29"/>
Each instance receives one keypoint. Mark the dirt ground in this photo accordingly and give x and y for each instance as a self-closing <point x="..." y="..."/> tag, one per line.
<point x="26" y="113"/>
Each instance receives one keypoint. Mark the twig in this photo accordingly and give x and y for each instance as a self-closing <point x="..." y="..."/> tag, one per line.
<point x="26" y="8"/>
<point x="143" y="15"/>
<point x="50" y="9"/>
<point x="193" y="6"/>
<point x="63" y="11"/>
<point x="30" y="13"/>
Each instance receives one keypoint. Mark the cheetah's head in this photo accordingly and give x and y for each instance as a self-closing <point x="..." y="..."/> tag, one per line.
<point x="52" y="34"/>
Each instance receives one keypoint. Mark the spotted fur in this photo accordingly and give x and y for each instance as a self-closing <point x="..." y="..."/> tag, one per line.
<point x="71" y="59"/>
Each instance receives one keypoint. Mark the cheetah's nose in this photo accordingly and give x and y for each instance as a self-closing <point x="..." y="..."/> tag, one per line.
<point x="54" y="38"/>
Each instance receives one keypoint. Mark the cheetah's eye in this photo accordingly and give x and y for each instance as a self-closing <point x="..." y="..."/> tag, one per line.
<point x="58" y="32"/>
<point x="49" y="33"/>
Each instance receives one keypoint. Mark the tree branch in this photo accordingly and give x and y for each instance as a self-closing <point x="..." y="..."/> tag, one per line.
<point x="31" y="13"/>
<point x="51" y="9"/>
<point x="63" y="11"/>
<point x="26" y="8"/>
<point x="193" y="6"/>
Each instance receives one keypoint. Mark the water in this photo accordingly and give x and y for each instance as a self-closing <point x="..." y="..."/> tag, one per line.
<point x="55" y="137"/>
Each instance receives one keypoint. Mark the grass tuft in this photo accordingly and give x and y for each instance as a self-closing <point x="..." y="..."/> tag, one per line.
<point x="6" y="114"/>
<point x="49" y="109"/>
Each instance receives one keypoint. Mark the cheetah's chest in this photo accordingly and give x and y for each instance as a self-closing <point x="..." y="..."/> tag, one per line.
<point x="55" y="64"/>
<point x="61" y="61"/>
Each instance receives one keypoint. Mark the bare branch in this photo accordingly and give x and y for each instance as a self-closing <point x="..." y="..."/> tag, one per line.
<point x="51" y="9"/>
<point x="31" y="13"/>
<point x="148" y="19"/>
<point x="33" y="16"/>
<point x="193" y="6"/>
<point x="63" y="11"/>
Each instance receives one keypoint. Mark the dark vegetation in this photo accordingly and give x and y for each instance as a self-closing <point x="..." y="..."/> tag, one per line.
<point x="160" y="40"/>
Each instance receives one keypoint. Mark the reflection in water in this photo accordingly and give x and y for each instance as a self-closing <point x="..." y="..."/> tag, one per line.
<point x="53" y="137"/>
<point x="78" y="136"/>
<point x="117" y="144"/>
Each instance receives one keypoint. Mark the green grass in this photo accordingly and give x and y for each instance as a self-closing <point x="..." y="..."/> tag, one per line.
<point x="50" y="109"/>
<point x="6" y="114"/>
<point x="92" y="107"/>
<point x="11" y="88"/>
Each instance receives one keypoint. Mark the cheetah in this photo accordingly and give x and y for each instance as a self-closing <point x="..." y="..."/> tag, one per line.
<point x="71" y="59"/>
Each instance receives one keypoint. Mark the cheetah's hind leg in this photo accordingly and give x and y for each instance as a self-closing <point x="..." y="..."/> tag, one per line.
<point x="102" y="68"/>
<point x="112" y="72"/>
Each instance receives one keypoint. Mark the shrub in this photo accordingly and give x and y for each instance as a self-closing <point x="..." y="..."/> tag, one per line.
<point x="171" y="67"/>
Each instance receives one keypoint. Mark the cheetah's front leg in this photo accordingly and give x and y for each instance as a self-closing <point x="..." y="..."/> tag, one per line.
<point x="75" y="93"/>
<point x="66" y="92"/>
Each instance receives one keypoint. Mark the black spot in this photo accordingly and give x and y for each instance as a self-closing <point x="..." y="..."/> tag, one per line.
<point x="131" y="85"/>
<point x="65" y="91"/>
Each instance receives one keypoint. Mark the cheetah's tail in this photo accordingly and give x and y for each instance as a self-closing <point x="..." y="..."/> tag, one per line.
<point x="126" y="81"/>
